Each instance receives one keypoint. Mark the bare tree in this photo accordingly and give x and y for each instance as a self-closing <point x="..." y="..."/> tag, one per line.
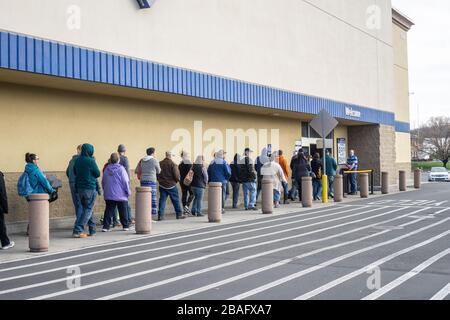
<point x="436" y="134"/>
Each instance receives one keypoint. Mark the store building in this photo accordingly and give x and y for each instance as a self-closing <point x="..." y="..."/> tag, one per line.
<point x="199" y="75"/>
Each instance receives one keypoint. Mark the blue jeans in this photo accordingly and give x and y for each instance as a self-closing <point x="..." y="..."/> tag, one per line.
<point x="76" y="201"/>
<point x="174" y="197"/>
<point x="152" y="185"/>
<point x="236" y="187"/>
<point x="276" y="195"/>
<point x="294" y="190"/>
<point x="224" y="193"/>
<point x="198" y="200"/>
<point x="317" y="188"/>
<point x="353" y="183"/>
<point x="330" y="186"/>
<point x="285" y="190"/>
<point x="87" y="199"/>
<point x="249" y="194"/>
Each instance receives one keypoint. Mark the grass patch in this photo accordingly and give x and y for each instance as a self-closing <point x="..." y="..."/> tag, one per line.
<point x="427" y="165"/>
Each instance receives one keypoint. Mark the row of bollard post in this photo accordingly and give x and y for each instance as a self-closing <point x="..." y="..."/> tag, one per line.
<point x="39" y="204"/>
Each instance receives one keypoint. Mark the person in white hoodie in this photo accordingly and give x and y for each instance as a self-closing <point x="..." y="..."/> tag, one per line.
<point x="272" y="171"/>
<point x="146" y="170"/>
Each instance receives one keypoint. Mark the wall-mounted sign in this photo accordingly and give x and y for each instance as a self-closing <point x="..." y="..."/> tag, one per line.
<point x="349" y="112"/>
<point x="145" y="4"/>
<point x="341" y="151"/>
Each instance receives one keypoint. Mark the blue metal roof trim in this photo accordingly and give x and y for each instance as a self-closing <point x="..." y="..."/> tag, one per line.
<point x="403" y="127"/>
<point x="29" y="54"/>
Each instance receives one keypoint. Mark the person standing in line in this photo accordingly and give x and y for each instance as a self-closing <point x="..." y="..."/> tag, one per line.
<point x="260" y="161"/>
<point x="281" y="160"/>
<point x="71" y="176"/>
<point x="187" y="194"/>
<point x="115" y="219"/>
<point x="147" y="170"/>
<point x="331" y="172"/>
<point x="219" y="171"/>
<point x="5" y="242"/>
<point x="122" y="150"/>
<point x="168" y="180"/>
<point x="247" y="176"/>
<point x="352" y="165"/>
<point x="273" y="171"/>
<point x="302" y="169"/>
<point x="234" y="179"/>
<point x="293" y="193"/>
<point x="317" y="169"/>
<point x="86" y="173"/>
<point x="199" y="183"/>
<point x="116" y="191"/>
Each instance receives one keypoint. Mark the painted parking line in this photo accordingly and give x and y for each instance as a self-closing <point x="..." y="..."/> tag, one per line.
<point x="442" y="294"/>
<point x="287" y="261"/>
<point x="189" y="261"/>
<point x="377" y="263"/>
<point x="400" y="280"/>
<point x="183" y="244"/>
<point x="331" y="262"/>
<point x="152" y="242"/>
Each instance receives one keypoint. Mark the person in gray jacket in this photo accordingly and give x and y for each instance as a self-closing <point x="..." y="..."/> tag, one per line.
<point x="121" y="149"/>
<point x="146" y="170"/>
<point x="71" y="175"/>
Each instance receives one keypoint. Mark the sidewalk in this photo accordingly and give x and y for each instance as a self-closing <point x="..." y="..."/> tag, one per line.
<point x="61" y="239"/>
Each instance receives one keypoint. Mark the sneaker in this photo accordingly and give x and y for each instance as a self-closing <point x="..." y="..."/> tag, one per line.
<point x="186" y="210"/>
<point x="181" y="217"/>
<point x="160" y="218"/>
<point x="254" y="208"/>
<point x="286" y="202"/>
<point x="126" y="229"/>
<point x="200" y="215"/>
<point x="9" y="246"/>
<point x="80" y="235"/>
<point x="92" y="234"/>
<point x="106" y="230"/>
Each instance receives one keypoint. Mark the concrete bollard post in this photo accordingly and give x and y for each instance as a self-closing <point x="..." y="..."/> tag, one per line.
<point x="215" y="202"/>
<point x="364" y="185"/>
<point x="385" y="182"/>
<point x="417" y="178"/>
<point x="402" y="180"/>
<point x="267" y="196"/>
<point x="143" y="216"/>
<point x="307" y="192"/>
<point x="38" y="218"/>
<point x="338" y="187"/>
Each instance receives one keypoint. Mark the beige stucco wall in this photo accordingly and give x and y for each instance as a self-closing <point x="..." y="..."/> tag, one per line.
<point x="318" y="47"/>
<point x="53" y="122"/>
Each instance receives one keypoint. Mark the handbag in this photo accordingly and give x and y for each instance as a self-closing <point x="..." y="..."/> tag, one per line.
<point x="189" y="177"/>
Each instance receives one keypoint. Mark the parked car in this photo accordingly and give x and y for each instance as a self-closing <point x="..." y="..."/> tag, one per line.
<point x="439" y="174"/>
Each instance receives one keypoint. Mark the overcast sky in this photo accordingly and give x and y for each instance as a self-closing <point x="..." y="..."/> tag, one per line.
<point x="429" y="57"/>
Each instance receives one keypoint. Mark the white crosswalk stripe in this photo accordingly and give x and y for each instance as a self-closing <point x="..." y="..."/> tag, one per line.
<point x="414" y="272"/>
<point x="442" y="294"/>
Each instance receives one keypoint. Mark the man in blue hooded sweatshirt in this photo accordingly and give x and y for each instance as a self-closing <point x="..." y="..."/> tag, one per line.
<point x="86" y="174"/>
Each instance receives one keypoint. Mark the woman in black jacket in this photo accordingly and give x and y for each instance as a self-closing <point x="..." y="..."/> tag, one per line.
<point x="6" y="244"/>
<point x="301" y="169"/>
<point x="317" y="169"/>
<point x="186" y="191"/>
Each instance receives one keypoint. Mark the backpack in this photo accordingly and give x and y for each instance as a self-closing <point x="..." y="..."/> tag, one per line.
<point x="189" y="177"/>
<point x="24" y="187"/>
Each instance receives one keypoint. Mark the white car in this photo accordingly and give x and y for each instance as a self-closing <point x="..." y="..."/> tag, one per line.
<point x="439" y="174"/>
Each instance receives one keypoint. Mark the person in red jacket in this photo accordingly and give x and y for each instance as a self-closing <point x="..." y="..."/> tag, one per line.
<point x="284" y="165"/>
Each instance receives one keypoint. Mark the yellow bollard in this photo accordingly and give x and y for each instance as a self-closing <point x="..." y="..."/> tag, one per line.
<point x="325" y="189"/>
